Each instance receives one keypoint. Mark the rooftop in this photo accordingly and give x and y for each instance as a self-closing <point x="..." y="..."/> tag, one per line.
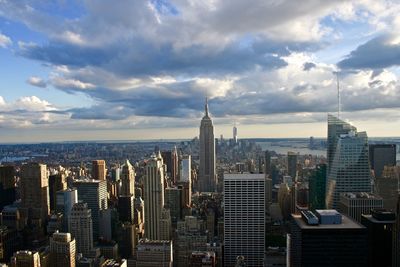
<point x="347" y="223"/>
<point x="363" y="195"/>
<point x="243" y="176"/>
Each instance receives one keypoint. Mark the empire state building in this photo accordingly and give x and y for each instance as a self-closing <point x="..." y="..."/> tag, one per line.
<point x="207" y="179"/>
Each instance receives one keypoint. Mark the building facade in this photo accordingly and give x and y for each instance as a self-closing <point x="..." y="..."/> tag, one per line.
<point x="244" y="218"/>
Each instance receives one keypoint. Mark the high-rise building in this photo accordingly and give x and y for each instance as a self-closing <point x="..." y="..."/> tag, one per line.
<point x="126" y="238"/>
<point x="65" y="200"/>
<point x="381" y="155"/>
<point x="336" y="127"/>
<point x="244" y="218"/>
<point x="173" y="201"/>
<point x="7" y="185"/>
<point x="207" y="177"/>
<point x="25" y="258"/>
<point x="81" y="228"/>
<point x="235" y="133"/>
<point x="380" y="234"/>
<point x="317" y="187"/>
<point x="326" y="238"/>
<point x="57" y="182"/>
<point x="170" y="159"/>
<point x="388" y="186"/>
<point x="349" y="169"/>
<point x="62" y="250"/>
<point x="292" y="165"/>
<point x="354" y="205"/>
<point x="99" y="170"/>
<point x="152" y="253"/>
<point x="126" y="208"/>
<point x="396" y="236"/>
<point x="186" y="169"/>
<point x="165" y="225"/>
<point x="267" y="163"/>
<point x="127" y="179"/>
<point x="10" y="241"/>
<point x="153" y="196"/>
<point x="94" y="193"/>
<point x="34" y="193"/>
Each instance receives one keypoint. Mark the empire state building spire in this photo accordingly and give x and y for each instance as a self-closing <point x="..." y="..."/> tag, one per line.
<point x="206" y="108"/>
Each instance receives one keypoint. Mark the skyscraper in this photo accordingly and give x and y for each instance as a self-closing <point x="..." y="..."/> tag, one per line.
<point x="153" y="196"/>
<point x="396" y="237"/>
<point x="81" y="228"/>
<point x="317" y="187"/>
<point x="381" y="155"/>
<point x="62" y="250"/>
<point x="349" y="168"/>
<point x="94" y="193"/>
<point x="7" y="185"/>
<point x="35" y="193"/>
<point x="292" y="165"/>
<point x="207" y="178"/>
<point x="65" y="200"/>
<point x="267" y="163"/>
<point x="127" y="179"/>
<point x="170" y="159"/>
<point x="154" y="253"/>
<point x="186" y="169"/>
<point x="326" y="238"/>
<point x="336" y="127"/>
<point x="99" y="170"/>
<point x="244" y="218"/>
<point x="380" y="234"/>
<point x="57" y="182"/>
<point x="25" y="258"/>
<point x="354" y="205"/>
<point x="235" y="132"/>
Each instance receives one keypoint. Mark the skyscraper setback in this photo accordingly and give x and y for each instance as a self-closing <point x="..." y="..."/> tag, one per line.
<point x="207" y="179"/>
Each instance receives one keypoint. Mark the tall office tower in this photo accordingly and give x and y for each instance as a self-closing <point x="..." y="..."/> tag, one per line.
<point x="336" y="127"/>
<point x="173" y="202"/>
<point x="165" y="225"/>
<point x="317" y="187"/>
<point x="25" y="258"/>
<point x="127" y="179"/>
<point x="267" y="163"/>
<point x="126" y="208"/>
<point x="170" y="158"/>
<point x="268" y="191"/>
<point x="57" y="182"/>
<point x="203" y="259"/>
<point x="185" y="169"/>
<point x="152" y="253"/>
<point x="292" y="165"/>
<point x="186" y="193"/>
<point x="10" y="241"/>
<point x="11" y="217"/>
<point x="81" y="228"/>
<point x="380" y="234"/>
<point x="65" y="199"/>
<point x="388" y="186"/>
<point x="244" y="198"/>
<point x="99" y="170"/>
<point x="235" y="132"/>
<point x="7" y="185"/>
<point x="349" y="170"/>
<point x="381" y="155"/>
<point x="207" y="178"/>
<point x="356" y="204"/>
<point x="396" y="236"/>
<point x="34" y="193"/>
<point x="126" y="239"/>
<point x="326" y="238"/>
<point x="62" y="250"/>
<point x="153" y="196"/>
<point x="94" y="193"/>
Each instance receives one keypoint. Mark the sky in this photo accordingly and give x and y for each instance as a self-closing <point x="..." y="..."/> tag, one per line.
<point x="125" y="70"/>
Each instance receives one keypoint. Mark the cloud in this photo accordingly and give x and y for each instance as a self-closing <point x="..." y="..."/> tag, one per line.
<point x="308" y="66"/>
<point x="380" y="52"/>
<point x="37" y="81"/>
<point x="5" y="41"/>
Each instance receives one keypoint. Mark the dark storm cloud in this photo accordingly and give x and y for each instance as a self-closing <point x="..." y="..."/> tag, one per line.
<point x="377" y="53"/>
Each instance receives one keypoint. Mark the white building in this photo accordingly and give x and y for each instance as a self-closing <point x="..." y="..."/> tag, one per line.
<point x="186" y="169"/>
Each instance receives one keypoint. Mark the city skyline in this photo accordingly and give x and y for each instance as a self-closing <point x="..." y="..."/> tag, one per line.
<point x="88" y="70"/>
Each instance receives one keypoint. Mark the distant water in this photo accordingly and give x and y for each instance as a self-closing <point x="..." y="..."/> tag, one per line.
<point x="281" y="148"/>
<point x="13" y="159"/>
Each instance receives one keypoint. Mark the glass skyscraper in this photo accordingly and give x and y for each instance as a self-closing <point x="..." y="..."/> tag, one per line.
<point x="348" y="163"/>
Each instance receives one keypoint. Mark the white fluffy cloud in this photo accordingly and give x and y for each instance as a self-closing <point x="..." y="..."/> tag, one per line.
<point x="4" y="40"/>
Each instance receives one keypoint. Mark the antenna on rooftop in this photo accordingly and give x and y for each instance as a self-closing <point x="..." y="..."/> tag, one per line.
<point x="338" y="94"/>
